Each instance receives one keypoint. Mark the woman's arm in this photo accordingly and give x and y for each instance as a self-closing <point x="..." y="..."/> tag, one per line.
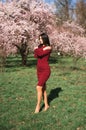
<point x="35" y="55"/>
<point x="40" y="52"/>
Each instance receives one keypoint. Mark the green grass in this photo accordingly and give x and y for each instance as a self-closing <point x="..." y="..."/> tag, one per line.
<point x="66" y="90"/>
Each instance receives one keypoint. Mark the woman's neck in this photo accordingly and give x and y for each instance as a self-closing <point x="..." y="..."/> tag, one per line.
<point x="40" y="45"/>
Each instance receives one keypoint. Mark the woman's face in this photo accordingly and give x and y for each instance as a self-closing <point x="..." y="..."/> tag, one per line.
<point x="41" y="41"/>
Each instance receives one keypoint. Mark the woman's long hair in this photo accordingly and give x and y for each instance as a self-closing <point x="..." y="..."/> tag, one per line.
<point x="45" y="39"/>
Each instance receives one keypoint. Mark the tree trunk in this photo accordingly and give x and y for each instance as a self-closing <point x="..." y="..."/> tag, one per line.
<point x="24" y="59"/>
<point x="24" y="50"/>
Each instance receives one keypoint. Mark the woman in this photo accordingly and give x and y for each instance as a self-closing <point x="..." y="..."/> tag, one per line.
<point x="42" y="53"/>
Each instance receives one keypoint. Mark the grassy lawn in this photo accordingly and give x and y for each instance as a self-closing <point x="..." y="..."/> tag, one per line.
<point x="66" y="90"/>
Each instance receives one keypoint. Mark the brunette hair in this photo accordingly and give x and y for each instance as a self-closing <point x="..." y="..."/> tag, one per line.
<point x="45" y="39"/>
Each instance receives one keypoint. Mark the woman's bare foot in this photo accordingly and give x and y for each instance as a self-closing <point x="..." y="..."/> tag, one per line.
<point x="46" y="108"/>
<point x="37" y="109"/>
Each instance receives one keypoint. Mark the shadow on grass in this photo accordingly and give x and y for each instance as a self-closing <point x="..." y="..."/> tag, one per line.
<point x="54" y="93"/>
<point x="14" y="63"/>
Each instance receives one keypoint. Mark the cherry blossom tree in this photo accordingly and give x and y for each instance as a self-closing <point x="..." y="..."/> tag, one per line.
<point x="71" y="40"/>
<point x="22" y="21"/>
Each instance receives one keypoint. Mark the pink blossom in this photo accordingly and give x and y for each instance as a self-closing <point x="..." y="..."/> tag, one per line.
<point x="28" y="18"/>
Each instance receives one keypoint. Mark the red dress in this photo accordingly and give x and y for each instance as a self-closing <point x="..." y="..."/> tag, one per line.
<point x="43" y="68"/>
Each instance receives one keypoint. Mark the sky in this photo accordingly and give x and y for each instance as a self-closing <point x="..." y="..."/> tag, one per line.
<point x="50" y="1"/>
<point x="47" y="1"/>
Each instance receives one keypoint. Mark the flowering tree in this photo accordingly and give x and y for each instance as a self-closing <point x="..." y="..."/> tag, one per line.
<point x="71" y="40"/>
<point x="21" y="22"/>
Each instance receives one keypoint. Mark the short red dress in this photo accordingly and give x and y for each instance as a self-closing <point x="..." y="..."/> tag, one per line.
<point x="43" y="68"/>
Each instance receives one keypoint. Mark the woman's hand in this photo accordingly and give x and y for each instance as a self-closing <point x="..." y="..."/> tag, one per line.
<point x="47" y="48"/>
<point x="35" y="48"/>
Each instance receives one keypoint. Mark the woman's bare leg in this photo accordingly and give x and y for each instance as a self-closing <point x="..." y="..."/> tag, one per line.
<point x="39" y="97"/>
<point x="45" y="98"/>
